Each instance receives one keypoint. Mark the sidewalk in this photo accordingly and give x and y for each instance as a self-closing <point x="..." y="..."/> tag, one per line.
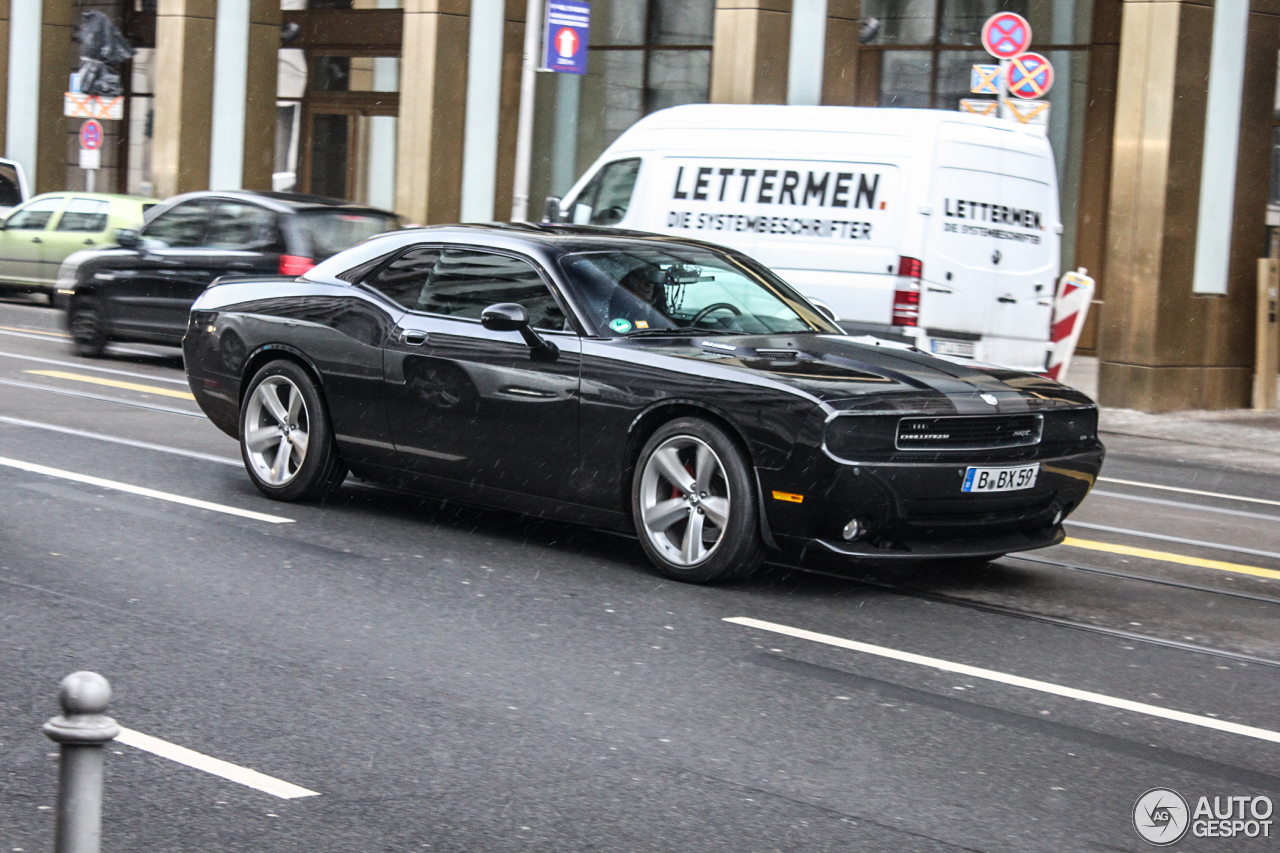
<point x="1235" y="438"/>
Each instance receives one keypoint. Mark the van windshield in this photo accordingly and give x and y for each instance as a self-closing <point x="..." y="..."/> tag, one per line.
<point x="678" y="289"/>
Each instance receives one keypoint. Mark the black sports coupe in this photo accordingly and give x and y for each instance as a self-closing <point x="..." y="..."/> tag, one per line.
<point x="670" y="387"/>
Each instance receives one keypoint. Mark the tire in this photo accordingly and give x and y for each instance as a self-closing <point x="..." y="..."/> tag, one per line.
<point x="698" y="532"/>
<point x="88" y="326"/>
<point x="283" y="403"/>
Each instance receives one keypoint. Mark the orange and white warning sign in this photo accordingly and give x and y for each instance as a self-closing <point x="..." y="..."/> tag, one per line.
<point x="1028" y="112"/>
<point x="978" y="106"/>
<point x="77" y="105"/>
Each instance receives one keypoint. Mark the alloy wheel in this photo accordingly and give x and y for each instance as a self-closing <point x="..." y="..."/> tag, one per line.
<point x="276" y="427"/>
<point x="685" y="500"/>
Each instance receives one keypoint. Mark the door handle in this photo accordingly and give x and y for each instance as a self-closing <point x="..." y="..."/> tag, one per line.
<point x="1009" y="300"/>
<point x="413" y="338"/>
<point x="88" y="242"/>
<point x="36" y="240"/>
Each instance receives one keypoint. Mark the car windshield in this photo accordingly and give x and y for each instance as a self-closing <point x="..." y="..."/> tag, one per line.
<point x="331" y="231"/>
<point x="675" y="288"/>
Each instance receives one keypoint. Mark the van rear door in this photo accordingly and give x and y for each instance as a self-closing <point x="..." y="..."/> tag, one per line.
<point x="1028" y="265"/>
<point x="958" y="278"/>
<point x="991" y="247"/>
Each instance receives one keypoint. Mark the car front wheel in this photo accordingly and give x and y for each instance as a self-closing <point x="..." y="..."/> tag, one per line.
<point x="286" y="439"/>
<point x="694" y="504"/>
<point x="88" y="327"/>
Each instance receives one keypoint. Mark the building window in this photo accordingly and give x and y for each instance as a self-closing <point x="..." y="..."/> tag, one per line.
<point x="652" y="54"/>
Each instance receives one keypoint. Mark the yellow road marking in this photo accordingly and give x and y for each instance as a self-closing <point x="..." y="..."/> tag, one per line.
<point x="114" y="383"/>
<point x="34" y="331"/>
<point x="1167" y="557"/>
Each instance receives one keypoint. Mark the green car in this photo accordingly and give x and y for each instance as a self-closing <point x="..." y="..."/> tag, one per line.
<point x="38" y="235"/>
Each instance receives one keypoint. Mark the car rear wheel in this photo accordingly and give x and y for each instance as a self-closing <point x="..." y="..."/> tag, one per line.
<point x="694" y="504"/>
<point x="286" y="439"/>
<point x="88" y="327"/>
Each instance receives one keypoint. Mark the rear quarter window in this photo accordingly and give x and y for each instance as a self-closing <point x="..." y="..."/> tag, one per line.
<point x="328" y="232"/>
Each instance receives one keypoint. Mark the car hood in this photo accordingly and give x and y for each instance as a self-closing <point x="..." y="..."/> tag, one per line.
<point x="871" y="374"/>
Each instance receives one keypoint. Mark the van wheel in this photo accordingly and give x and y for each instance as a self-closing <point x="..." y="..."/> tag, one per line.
<point x="694" y="504"/>
<point x="286" y="439"/>
<point x="88" y="327"/>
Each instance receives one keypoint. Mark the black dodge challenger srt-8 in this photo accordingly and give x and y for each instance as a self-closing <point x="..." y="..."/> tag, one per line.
<point x="670" y="387"/>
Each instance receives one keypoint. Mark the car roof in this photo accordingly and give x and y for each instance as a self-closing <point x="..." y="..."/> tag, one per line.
<point x="563" y="238"/>
<point x="284" y="202"/>
<point x="540" y="239"/>
<point x="96" y="196"/>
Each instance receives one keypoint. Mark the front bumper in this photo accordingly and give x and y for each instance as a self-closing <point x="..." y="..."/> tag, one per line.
<point x="919" y="510"/>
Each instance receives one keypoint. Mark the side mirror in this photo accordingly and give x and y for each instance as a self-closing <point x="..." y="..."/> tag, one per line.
<point x="511" y="317"/>
<point x="128" y="238"/>
<point x="825" y="311"/>
<point x="4" y="224"/>
<point x="551" y="209"/>
<point x="504" y="317"/>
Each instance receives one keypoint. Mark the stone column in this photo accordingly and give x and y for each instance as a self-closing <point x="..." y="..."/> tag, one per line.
<point x="183" y="96"/>
<point x="840" y="70"/>
<point x="751" y="52"/>
<point x="433" y="91"/>
<point x="1161" y="347"/>
<point x="260" y="92"/>
<point x="56" y="28"/>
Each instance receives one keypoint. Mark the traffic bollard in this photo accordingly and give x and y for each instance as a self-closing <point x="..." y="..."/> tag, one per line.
<point x="81" y="730"/>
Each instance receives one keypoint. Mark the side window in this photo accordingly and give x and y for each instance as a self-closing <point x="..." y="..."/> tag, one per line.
<point x="85" y="214"/>
<point x="181" y="227"/>
<point x="233" y="225"/>
<point x="605" y="199"/>
<point x="10" y="189"/>
<point x="404" y="280"/>
<point x="465" y="282"/>
<point x="35" y="216"/>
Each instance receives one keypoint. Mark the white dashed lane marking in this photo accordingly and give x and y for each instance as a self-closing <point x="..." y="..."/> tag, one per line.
<point x="215" y="766"/>
<point x="140" y="490"/>
<point x="1011" y="680"/>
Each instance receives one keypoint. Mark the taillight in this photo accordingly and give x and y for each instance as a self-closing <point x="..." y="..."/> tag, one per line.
<point x="295" y="264"/>
<point x="906" y="293"/>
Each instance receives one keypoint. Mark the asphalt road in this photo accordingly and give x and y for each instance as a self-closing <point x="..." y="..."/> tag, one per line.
<point x="451" y="679"/>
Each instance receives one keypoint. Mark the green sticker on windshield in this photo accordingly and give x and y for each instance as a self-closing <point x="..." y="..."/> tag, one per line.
<point x="620" y="325"/>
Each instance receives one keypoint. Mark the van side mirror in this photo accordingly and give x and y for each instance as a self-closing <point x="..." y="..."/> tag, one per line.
<point x="551" y="209"/>
<point x="128" y="238"/>
<point x="512" y="317"/>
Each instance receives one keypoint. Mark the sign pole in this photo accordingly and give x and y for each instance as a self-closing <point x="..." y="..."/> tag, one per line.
<point x="524" y="128"/>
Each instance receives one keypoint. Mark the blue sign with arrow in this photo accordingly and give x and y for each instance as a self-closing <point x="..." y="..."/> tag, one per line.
<point x="565" y="36"/>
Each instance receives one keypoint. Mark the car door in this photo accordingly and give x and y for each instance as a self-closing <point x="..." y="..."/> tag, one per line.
<point x="23" y="237"/>
<point x="146" y="289"/>
<point x="470" y="405"/>
<point x="243" y="239"/>
<point x="82" y="225"/>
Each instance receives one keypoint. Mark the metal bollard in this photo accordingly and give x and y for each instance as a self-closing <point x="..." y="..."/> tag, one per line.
<point x="81" y="730"/>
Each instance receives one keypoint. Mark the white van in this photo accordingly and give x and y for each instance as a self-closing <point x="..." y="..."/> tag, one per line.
<point x="939" y="226"/>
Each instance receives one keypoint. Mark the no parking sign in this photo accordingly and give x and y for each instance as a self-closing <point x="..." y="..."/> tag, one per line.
<point x="1029" y="76"/>
<point x="1006" y="34"/>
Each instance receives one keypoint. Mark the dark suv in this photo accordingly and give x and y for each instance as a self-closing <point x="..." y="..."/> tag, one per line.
<point x="142" y="289"/>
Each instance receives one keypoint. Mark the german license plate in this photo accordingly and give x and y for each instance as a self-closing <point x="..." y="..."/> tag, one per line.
<point x="1000" y="479"/>
<point x="960" y="349"/>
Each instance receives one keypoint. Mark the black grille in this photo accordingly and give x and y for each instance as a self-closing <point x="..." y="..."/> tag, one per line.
<point x="982" y="432"/>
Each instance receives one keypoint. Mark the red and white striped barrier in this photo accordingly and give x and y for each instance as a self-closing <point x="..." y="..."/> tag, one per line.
<point x="1075" y="293"/>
